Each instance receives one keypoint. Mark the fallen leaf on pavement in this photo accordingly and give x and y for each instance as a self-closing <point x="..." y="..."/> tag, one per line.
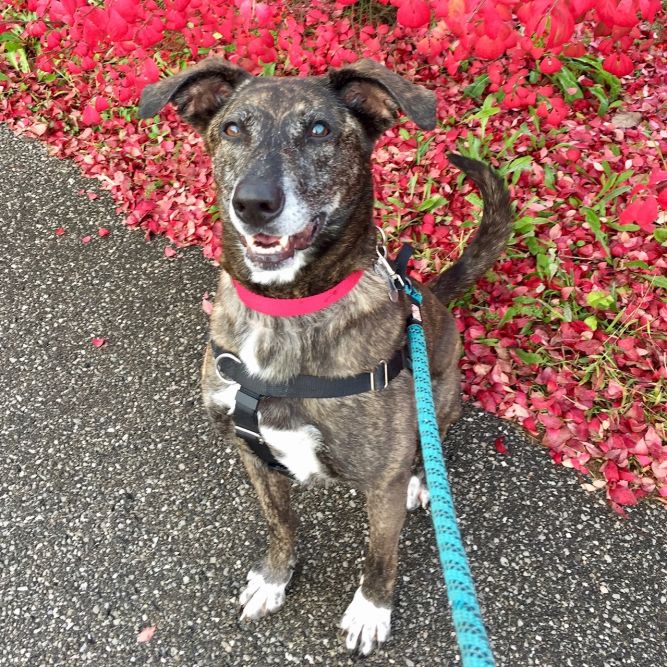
<point x="146" y="634"/>
<point x="206" y="305"/>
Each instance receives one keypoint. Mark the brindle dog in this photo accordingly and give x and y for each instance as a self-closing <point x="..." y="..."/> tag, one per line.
<point x="291" y="160"/>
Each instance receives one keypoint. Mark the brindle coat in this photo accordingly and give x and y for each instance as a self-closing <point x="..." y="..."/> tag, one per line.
<point x="368" y="441"/>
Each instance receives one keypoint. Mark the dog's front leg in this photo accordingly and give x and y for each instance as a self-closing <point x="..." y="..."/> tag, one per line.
<point x="267" y="580"/>
<point x="368" y="618"/>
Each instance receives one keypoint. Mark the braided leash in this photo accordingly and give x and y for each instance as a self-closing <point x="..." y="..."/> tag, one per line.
<point x="468" y="623"/>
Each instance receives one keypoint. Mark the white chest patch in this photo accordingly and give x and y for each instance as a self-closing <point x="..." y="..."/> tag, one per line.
<point x="296" y="449"/>
<point x="225" y="396"/>
<point x="247" y="353"/>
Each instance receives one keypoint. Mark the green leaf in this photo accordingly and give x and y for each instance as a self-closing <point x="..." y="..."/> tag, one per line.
<point x="598" y="92"/>
<point x="529" y="357"/>
<point x="19" y="60"/>
<point x="509" y="314"/>
<point x="630" y="227"/>
<point x="594" y="223"/>
<point x="525" y="225"/>
<point x="516" y="167"/>
<point x="477" y="87"/>
<point x="592" y="322"/>
<point x="268" y="69"/>
<point x="599" y="300"/>
<point x="567" y="81"/>
<point x="549" y="176"/>
<point x="637" y="264"/>
<point x="522" y="163"/>
<point x="422" y="147"/>
<point x="9" y="37"/>
<point x="567" y="312"/>
<point x="660" y="234"/>
<point x="546" y="267"/>
<point x="533" y="245"/>
<point x="510" y="140"/>
<point x="658" y="281"/>
<point x="432" y="203"/>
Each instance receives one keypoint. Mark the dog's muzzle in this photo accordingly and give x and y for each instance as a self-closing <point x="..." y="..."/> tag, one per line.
<point x="267" y="251"/>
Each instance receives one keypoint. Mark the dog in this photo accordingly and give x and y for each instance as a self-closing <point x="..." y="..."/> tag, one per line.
<point x="291" y="161"/>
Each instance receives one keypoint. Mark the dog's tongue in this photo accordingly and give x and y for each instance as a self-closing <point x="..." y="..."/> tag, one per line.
<point x="267" y="250"/>
<point x="265" y="240"/>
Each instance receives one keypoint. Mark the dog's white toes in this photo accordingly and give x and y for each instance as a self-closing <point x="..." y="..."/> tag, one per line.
<point x="260" y="597"/>
<point x="365" y="623"/>
<point x="424" y="497"/>
<point x="417" y="494"/>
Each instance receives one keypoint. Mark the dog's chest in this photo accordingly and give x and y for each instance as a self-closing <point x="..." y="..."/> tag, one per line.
<point x="295" y="448"/>
<point x="341" y="340"/>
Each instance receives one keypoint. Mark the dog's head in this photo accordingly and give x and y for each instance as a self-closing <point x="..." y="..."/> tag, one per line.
<point x="290" y="155"/>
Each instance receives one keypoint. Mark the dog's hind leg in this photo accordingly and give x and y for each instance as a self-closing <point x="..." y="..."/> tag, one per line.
<point x="418" y="494"/>
<point x="267" y="580"/>
<point x="368" y="618"/>
<point x="448" y="413"/>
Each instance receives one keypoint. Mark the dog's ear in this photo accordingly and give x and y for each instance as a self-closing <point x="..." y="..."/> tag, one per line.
<point x="376" y="94"/>
<point x="198" y="92"/>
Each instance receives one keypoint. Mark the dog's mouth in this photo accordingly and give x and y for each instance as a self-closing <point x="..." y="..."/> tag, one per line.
<point x="268" y="252"/>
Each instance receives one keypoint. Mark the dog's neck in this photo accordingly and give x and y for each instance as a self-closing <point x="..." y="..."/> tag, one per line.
<point x="354" y="250"/>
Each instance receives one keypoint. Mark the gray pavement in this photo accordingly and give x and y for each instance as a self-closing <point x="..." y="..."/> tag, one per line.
<point x="120" y="510"/>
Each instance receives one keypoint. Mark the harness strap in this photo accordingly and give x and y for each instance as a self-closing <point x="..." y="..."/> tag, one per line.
<point x="311" y="386"/>
<point x="252" y="389"/>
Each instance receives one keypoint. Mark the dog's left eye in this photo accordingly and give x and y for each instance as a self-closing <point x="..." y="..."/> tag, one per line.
<point x="232" y="130"/>
<point x="319" y="130"/>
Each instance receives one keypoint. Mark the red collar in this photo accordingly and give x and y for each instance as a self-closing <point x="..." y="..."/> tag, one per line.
<point x="292" y="307"/>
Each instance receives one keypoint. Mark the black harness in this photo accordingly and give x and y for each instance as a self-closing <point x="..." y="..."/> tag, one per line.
<point x="232" y="370"/>
<point x="252" y="389"/>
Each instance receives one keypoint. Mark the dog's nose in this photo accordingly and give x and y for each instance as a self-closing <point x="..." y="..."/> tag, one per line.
<point x="258" y="201"/>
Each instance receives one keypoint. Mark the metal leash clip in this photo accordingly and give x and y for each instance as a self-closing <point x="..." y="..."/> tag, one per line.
<point x="385" y="269"/>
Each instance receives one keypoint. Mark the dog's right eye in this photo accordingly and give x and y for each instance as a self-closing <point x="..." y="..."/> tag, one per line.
<point x="232" y="130"/>
<point x="319" y="130"/>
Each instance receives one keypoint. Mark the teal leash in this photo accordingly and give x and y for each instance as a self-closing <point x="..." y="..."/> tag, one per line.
<point x="471" y="636"/>
<point x="468" y="623"/>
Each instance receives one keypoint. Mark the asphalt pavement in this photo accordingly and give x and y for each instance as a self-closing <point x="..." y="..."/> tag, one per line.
<point x="120" y="510"/>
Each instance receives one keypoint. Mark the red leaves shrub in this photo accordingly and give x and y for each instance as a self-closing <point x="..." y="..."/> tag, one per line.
<point x="618" y="64"/>
<point x="413" y="13"/>
<point x="568" y="335"/>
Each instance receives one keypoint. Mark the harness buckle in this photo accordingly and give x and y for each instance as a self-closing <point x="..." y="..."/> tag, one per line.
<point x="247" y="432"/>
<point x="383" y="363"/>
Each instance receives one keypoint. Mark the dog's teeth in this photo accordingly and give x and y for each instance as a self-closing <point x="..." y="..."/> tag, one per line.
<point x="284" y="242"/>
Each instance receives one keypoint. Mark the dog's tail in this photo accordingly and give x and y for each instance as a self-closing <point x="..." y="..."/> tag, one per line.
<point x="491" y="236"/>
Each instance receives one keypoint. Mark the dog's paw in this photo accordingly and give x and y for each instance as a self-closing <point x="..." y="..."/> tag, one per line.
<point x="261" y="597"/>
<point x="417" y="494"/>
<point x="365" y="624"/>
